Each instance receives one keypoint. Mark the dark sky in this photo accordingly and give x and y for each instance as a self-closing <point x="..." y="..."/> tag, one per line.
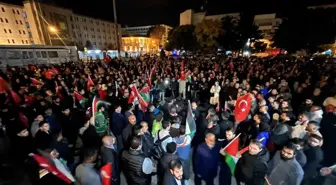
<point x="146" y="12"/>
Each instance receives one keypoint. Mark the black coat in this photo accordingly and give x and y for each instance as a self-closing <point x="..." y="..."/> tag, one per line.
<point x="126" y="134"/>
<point x="90" y="138"/>
<point x="147" y="143"/>
<point x="169" y="179"/>
<point x="314" y="158"/>
<point x="109" y="155"/>
<point x="43" y="140"/>
<point x="251" y="169"/>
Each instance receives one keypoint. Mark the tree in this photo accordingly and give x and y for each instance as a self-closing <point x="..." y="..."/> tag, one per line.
<point x="259" y="46"/>
<point x="156" y="32"/>
<point x="230" y="36"/>
<point x="182" y="37"/>
<point x="308" y="29"/>
<point x="207" y="33"/>
<point x="88" y="45"/>
<point x="237" y="32"/>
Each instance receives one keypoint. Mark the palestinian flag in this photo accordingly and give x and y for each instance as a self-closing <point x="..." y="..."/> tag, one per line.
<point x="231" y="151"/>
<point x="49" y="166"/>
<point x="145" y="93"/>
<point x="106" y="174"/>
<point x="3" y="85"/>
<point x="89" y="83"/>
<point x="96" y="103"/>
<point x="81" y="99"/>
<point x="188" y="77"/>
<point x="190" y="122"/>
<point x="36" y="82"/>
<point x="142" y="102"/>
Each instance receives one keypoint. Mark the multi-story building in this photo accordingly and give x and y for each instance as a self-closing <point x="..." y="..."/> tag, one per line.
<point x="42" y="24"/>
<point x="140" y="44"/>
<point x="190" y="17"/>
<point x="268" y="24"/>
<point x="14" y="28"/>
<point x="143" y="31"/>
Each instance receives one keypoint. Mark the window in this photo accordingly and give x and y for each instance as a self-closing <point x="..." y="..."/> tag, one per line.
<point x="93" y="36"/>
<point x="44" y="54"/>
<point x="2" y="8"/>
<point x="99" y="37"/>
<point x="98" y="30"/>
<point x="38" y="54"/>
<point x="10" y="31"/>
<point x="13" y="54"/>
<point x="13" y="11"/>
<point x="19" y="32"/>
<point x="52" y="54"/>
<point x="24" y="54"/>
<point x="27" y="43"/>
<point x="80" y="35"/>
<point x="73" y="27"/>
<point x="6" y="20"/>
<point x="97" y="23"/>
<point x="76" y="18"/>
<point x="24" y="15"/>
<point x="20" y="22"/>
<point x="18" y="12"/>
<point x="31" y="55"/>
<point x="8" y="41"/>
<point x="103" y="24"/>
<point x="22" y="41"/>
<point x="17" y="22"/>
<point x="13" y="41"/>
<point x="24" y="33"/>
<point x="1" y="19"/>
<point x="5" y="30"/>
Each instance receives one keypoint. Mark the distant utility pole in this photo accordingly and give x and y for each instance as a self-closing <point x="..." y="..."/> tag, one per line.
<point x="116" y="25"/>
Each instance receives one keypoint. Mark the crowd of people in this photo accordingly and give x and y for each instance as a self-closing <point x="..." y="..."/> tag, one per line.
<point x="133" y="115"/>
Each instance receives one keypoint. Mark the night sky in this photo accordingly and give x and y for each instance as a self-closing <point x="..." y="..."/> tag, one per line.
<point x="148" y="12"/>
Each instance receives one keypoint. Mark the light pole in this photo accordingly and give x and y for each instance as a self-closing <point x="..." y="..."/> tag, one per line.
<point x="116" y="25"/>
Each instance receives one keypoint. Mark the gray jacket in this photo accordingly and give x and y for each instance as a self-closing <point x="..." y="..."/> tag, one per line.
<point x="282" y="172"/>
<point x="87" y="175"/>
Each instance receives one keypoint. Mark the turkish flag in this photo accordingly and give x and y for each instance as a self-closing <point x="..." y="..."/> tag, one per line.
<point x="106" y="173"/>
<point x="242" y="108"/>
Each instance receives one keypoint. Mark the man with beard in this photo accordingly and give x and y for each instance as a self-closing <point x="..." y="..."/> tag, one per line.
<point x="314" y="156"/>
<point x="284" y="169"/>
<point x="175" y="174"/>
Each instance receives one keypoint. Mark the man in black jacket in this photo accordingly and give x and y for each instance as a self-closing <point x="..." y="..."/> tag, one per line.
<point x="128" y="130"/>
<point x="110" y="155"/>
<point x="163" y="164"/>
<point x="174" y="175"/>
<point x="252" y="166"/>
<point x="136" y="166"/>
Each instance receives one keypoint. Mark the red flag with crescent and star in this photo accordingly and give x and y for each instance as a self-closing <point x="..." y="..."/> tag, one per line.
<point x="242" y="108"/>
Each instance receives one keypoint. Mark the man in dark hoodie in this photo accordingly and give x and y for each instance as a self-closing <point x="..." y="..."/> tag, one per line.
<point x="262" y="129"/>
<point x="251" y="168"/>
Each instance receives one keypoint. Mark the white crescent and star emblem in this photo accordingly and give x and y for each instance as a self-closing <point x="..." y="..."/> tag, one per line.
<point x="243" y="109"/>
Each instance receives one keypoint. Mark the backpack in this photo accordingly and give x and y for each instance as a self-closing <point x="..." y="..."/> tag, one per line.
<point x="157" y="150"/>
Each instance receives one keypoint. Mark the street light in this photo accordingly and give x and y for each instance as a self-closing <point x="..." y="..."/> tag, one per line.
<point x="52" y="29"/>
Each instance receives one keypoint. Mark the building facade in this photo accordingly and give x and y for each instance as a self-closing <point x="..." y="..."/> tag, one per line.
<point x="268" y="24"/>
<point x="190" y="17"/>
<point x="143" y="31"/>
<point x="35" y="23"/>
<point x="14" y="30"/>
<point x="140" y="44"/>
